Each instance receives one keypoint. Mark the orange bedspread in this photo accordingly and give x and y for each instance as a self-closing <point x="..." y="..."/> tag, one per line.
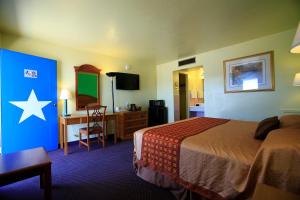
<point x="161" y="145"/>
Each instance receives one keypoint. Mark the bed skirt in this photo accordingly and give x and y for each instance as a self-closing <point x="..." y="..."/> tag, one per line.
<point x="165" y="182"/>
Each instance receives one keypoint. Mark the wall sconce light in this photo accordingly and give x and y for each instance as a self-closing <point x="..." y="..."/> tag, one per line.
<point x="297" y="80"/>
<point x="296" y="43"/>
<point x="65" y="95"/>
<point x="127" y="67"/>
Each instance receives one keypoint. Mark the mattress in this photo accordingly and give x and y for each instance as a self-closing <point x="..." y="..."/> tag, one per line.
<point x="218" y="159"/>
<point x="226" y="162"/>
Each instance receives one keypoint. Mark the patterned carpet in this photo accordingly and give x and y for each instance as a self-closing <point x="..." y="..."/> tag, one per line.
<point x="103" y="173"/>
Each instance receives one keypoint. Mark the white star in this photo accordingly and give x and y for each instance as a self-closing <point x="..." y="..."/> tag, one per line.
<point x="31" y="107"/>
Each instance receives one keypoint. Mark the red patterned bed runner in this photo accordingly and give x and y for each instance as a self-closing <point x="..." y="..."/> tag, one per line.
<point x="161" y="145"/>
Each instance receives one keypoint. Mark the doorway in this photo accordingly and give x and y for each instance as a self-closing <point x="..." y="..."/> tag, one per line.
<point x="183" y="78"/>
<point x="188" y="89"/>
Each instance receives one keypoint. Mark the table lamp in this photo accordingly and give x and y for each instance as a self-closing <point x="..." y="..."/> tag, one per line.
<point x="65" y="95"/>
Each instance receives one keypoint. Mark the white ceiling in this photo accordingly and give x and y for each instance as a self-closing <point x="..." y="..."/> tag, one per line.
<point x="155" y="31"/>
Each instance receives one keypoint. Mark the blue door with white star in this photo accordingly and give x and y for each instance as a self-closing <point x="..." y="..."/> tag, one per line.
<point x="28" y="102"/>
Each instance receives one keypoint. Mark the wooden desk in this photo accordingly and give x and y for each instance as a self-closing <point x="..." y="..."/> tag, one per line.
<point x="26" y="164"/>
<point x="80" y="119"/>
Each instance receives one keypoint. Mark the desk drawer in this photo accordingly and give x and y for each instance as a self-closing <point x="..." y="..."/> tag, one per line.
<point x="139" y="123"/>
<point x="130" y="131"/>
<point x="133" y="129"/>
<point x="73" y="121"/>
<point x="83" y="120"/>
<point x="135" y="115"/>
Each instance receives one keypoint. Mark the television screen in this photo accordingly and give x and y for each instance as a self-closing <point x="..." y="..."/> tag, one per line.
<point x="126" y="81"/>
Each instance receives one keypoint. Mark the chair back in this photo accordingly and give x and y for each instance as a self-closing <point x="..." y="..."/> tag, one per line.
<point x="96" y="117"/>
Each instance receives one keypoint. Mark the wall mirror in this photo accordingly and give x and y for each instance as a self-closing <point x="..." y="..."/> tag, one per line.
<point x="87" y="85"/>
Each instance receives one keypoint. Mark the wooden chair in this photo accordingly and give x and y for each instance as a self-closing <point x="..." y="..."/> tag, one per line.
<point x="95" y="125"/>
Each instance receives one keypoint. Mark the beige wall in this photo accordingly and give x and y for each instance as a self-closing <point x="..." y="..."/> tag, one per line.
<point x="67" y="58"/>
<point x="176" y="98"/>
<point x="245" y="106"/>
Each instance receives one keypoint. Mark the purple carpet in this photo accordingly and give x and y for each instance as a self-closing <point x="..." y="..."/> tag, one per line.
<point x="103" y="173"/>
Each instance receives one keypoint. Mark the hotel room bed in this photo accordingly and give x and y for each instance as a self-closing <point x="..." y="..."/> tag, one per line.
<point x="222" y="161"/>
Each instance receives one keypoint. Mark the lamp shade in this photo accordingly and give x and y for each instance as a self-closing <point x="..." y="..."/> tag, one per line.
<point x="296" y="43"/>
<point x="297" y="80"/>
<point x="65" y="94"/>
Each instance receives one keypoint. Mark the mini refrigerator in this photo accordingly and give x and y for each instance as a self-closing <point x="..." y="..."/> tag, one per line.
<point x="157" y="113"/>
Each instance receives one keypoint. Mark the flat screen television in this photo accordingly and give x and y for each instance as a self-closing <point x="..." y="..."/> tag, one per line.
<point x="126" y="81"/>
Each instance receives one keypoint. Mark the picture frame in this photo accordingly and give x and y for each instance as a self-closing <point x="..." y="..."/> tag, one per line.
<point x="252" y="73"/>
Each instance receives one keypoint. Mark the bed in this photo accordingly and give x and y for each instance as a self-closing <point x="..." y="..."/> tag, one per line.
<point x="214" y="158"/>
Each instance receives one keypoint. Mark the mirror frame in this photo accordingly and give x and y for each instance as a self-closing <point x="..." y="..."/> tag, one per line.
<point x="90" y="69"/>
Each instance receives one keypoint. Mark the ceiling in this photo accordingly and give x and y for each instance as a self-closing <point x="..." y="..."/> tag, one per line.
<point x="155" y="31"/>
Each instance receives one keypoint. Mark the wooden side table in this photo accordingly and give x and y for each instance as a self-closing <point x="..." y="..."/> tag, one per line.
<point x="26" y="164"/>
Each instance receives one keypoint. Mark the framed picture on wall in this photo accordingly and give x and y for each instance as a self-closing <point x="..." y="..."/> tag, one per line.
<point x="250" y="73"/>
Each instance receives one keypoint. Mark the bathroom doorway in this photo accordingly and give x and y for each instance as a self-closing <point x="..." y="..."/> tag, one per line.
<point x="188" y="89"/>
<point x="183" y="87"/>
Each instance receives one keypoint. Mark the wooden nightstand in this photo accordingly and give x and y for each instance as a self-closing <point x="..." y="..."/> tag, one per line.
<point x="265" y="192"/>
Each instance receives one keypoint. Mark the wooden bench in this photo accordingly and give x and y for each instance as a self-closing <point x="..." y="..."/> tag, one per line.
<point x="26" y="164"/>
